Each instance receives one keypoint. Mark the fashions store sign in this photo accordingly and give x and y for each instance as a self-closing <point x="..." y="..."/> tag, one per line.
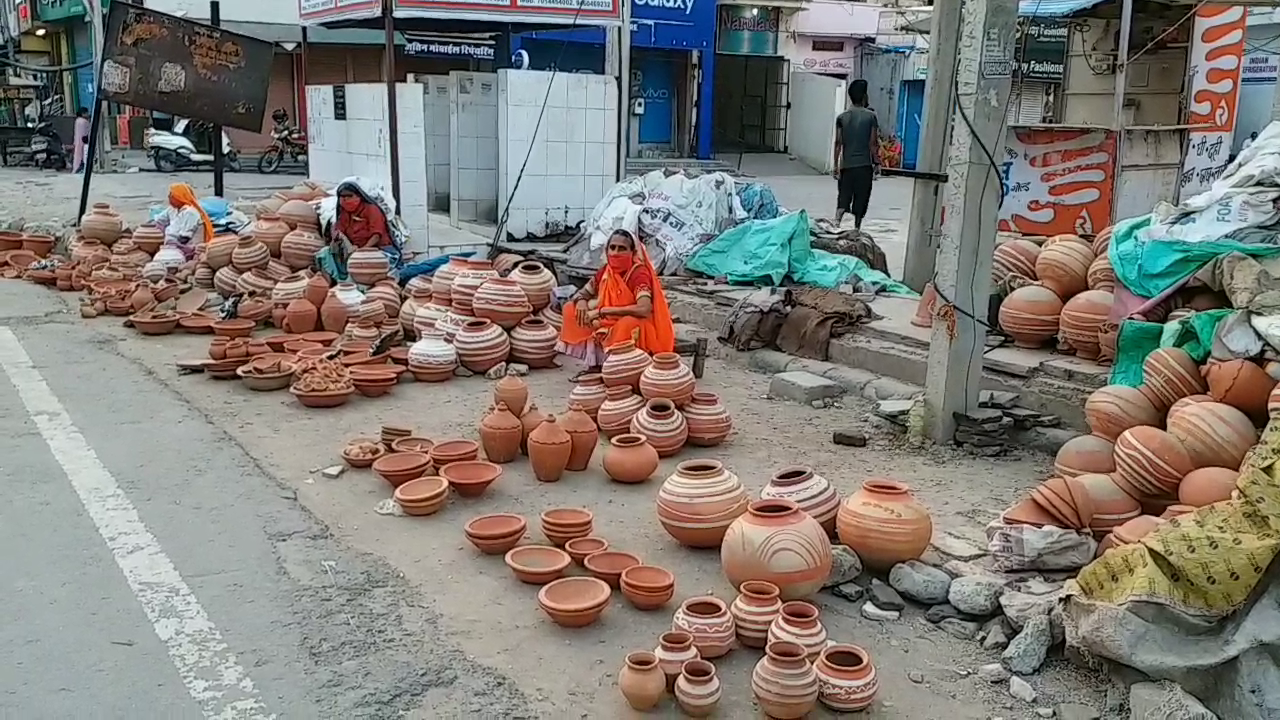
<point x="1042" y="49"/>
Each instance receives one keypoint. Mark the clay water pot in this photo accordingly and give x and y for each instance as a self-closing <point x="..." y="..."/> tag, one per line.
<point x="442" y="280"/>
<point x="102" y="223"/>
<point x="708" y="620"/>
<point x="814" y="494"/>
<point x="300" y="316"/>
<point x="1113" y="409"/>
<point x="620" y="405"/>
<point x="468" y="280"/>
<point x="667" y="377"/>
<point x="481" y="345"/>
<point x="800" y="623"/>
<point x="1184" y="402"/>
<point x="847" y="679"/>
<point x="708" y="420"/>
<point x="583" y="435"/>
<point x="529" y="421"/>
<point x="641" y="680"/>
<point x="298" y="248"/>
<point x="1016" y="257"/>
<point x="501" y="301"/>
<point x="334" y="312"/>
<point x="1082" y="318"/>
<point x="884" y="524"/>
<point x="142" y="298"/>
<point x="249" y="253"/>
<point x="784" y="684"/>
<point x="513" y="391"/>
<point x="589" y="392"/>
<point x="1112" y="506"/>
<point x="500" y="434"/>
<point x="533" y="342"/>
<point x="270" y="231"/>
<point x="1101" y="275"/>
<point x="1214" y="434"/>
<point x="1152" y="460"/>
<point x="536" y="281"/>
<point x="697" y="690"/>
<point x="368" y="265"/>
<point x="298" y="212"/>
<point x="699" y="501"/>
<point x="624" y="365"/>
<point x="1064" y="268"/>
<point x="1102" y="241"/>
<point x="674" y="649"/>
<point x="630" y="459"/>
<point x="386" y="292"/>
<point x="1242" y="385"/>
<point x="550" y="448"/>
<point x="1108" y="333"/>
<point x="504" y="263"/>
<point x="1085" y="454"/>
<point x="777" y="542"/>
<point x="1206" y="486"/>
<point x="754" y="610"/>
<point x="1030" y="315"/>
<point x="662" y="425"/>
<point x="1170" y="374"/>
<point x="317" y="290"/>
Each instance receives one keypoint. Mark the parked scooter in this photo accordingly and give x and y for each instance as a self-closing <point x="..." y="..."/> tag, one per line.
<point x="188" y="145"/>
<point x="285" y="139"/>
<point x="46" y="150"/>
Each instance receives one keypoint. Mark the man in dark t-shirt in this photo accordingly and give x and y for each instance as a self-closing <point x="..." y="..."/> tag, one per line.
<point x="856" y="159"/>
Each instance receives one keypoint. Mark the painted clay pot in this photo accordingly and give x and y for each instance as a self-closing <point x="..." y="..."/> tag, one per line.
<point x="697" y="690"/>
<point x="431" y="359"/>
<point x="583" y="433"/>
<point x="368" y="265"/>
<point x="504" y="263"/>
<point x="530" y="419"/>
<point x="1273" y="403"/>
<point x="388" y="293"/>
<point x="536" y="281"/>
<point x="501" y="301"/>
<point x="1112" y="506"/>
<point x="549" y="450"/>
<point x="707" y="619"/>
<point x="624" y="364"/>
<point x="217" y="252"/>
<point x="699" y="501"/>
<point x="226" y="281"/>
<point x="846" y="678"/>
<point x="1030" y="315"/>
<point x="409" y="309"/>
<point x="500" y="434"/>
<point x="203" y="277"/>
<point x="513" y="391"/>
<point x="630" y="459"/>
<point x="481" y="345"/>
<point x="300" y="316"/>
<point x="641" y="680"/>
<point x="148" y="237"/>
<point x="1101" y="275"/>
<point x="1084" y="454"/>
<point x="810" y="491"/>
<point x="102" y="223"/>
<point x="1064" y="268"/>
<point x="784" y="683"/>
<point x="1181" y="403"/>
<point x="777" y="542"/>
<point x="442" y="280"/>
<point x="533" y="342"/>
<point x="1016" y="257"/>
<point x="297" y="213"/>
<point x="1207" y="486"/>
<point x="249" y="253"/>
<point x="800" y="623"/>
<point x="616" y="412"/>
<point x="298" y="248"/>
<point x="1151" y="460"/>
<point x="674" y="649"/>
<point x="662" y="425"/>
<point x="467" y="282"/>
<point x="292" y="287"/>
<point x="1214" y="434"/>
<point x="1082" y="318"/>
<point x="255" y="282"/>
<point x="270" y="231"/>
<point x="85" y="249"/>
<point x="1242" y="385"/>
<point x="588" y="391"/>
<point x="269" y="206"/>
<point x="1112" y="409"/>
<point x="552" y="316"/>
<point x="667" y="377"/>
<point x="884" y="524"/>
<point x="428" y="315"/>
<point x="754" y="610"/>
<point x="708" y="420"/>
<point x="1170" y="374"/>
<point x="1102" y="241"/>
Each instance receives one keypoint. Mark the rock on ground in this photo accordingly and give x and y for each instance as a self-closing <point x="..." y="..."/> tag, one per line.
<point x="1020" y="607"/>
<point x="871" y="612"/>
<point x="920" y="582"/>
<point x="993" y="673"/>
<point x="938" y="613"/>
<point x="976" y="595"/>
<point x="885" y="597"/>
<point x="1021" y="689"/>
<point x="1076" y="711"/>
<point x="851" y="591"/>
<point x="1165" y="700"/>
<point x="962" y="629"/>
<point x="1027" y="651"/>
<point x="845" y="566"/>
<point x="996" y="638"/>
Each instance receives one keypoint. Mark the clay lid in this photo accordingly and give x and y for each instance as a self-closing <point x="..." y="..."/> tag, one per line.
<point x="574" y="594"/>
<point x="496" y="526"/>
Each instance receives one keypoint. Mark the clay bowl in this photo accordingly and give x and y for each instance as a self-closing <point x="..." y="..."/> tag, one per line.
<point x="496" y="534"/>
<point x="363" y="358"/>
<point x="349" y="347"/>
<point x="537" y="564"/>
<point x="224" y="369"/>
<point x="574" y="602"/>
<point x="567" y="518"/>
<point x="21" y="259"/>
<point x="42" y="277"/>
<point x="162" y="324"/>
<point x="119" y="307"/>
<point x="647" y="587"/>
<point x="196" y="324"/>
<point x="234" y="328"/>
<point x="313" y="352"/>
<point x="297" y="346"/>
<point x="362" y="462"/>
<point x="400" y="356"/>
<point x="413" y="444"/>
<point x="277" y="342"/>
<point x="609" y="564"/>
<point x="391" y="433"/>
<point x="580" y="548"/>
<point x="470" y="478"/>
<point x="371" y="383"/>
<point x="422" y="496"/>
<point x="41" y="245"/>
<point x="265" y="383"/>
<point x="326" y="399"/>
<point x="399" y="468"/>
<point x="322" y="338"/>
<point x="452" y="451"/>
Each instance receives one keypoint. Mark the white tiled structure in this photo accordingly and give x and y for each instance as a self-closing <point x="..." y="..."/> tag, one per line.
<point x="473" y="137"/>
<point x="572" y="160"/>
<point x="438" y="166"/>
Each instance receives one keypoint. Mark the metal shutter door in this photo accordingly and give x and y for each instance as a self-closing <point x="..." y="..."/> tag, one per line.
<point x="1026" y="103"/>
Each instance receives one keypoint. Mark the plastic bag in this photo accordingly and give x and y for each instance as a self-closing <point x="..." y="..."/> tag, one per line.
<point x="1026" y="547"/>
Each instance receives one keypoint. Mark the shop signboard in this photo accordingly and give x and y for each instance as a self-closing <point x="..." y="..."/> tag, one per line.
<point x="747" y="30"/>
<point x="1260" y="68"/>
<point x="316" y="12"/>
<point x="55" y="10"/>
<point x="419" y="46"/>
<point x="1042" y="49"/>
<point x="564" y="12"/>
<point x="673" y="24"/>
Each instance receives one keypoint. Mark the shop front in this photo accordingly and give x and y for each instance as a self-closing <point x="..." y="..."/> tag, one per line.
<point x="751" y="80"/>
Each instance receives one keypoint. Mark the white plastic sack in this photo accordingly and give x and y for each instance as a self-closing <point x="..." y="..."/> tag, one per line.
<point x="676" y="212"/>
<point x="1026" y="547"/>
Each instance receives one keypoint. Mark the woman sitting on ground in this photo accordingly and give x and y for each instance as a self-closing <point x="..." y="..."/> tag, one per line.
<point x="186" y="225"/>
<point x="358" y="215"/>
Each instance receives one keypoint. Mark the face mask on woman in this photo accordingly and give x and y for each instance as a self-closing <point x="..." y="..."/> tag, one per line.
<point x="350" y="203"/>
<point x="620" y="262"/>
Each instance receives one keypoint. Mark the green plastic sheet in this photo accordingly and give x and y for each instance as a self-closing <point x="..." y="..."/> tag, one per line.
<point x="1193" y="333"/>
<point x="1149" y="267"/>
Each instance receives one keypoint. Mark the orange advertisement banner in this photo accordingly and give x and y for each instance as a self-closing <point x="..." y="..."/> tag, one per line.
<point x="1217" y="49"/>
<point x="1058" y="181"/>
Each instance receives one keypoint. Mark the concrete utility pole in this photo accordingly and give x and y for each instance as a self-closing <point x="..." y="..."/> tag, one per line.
<point x="98" y="37"/>
<point x="935" y="138"/>
<point x="983" y="74"/>
<point x="624" y="89"/>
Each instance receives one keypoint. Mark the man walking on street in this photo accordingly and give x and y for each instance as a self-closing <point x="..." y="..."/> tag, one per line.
<point x="856" y="158"/>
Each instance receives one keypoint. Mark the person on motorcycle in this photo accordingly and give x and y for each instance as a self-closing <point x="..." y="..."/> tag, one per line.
<point x="186" y="225"/>
<point x="359" y="215"/>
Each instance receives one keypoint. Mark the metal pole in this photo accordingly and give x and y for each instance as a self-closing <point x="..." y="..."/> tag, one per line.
<point x="1122" y="66"/>
<point x="624" y="89"/>
<point x="302" y="75"/>
<point x="215" y="19"/>
<point x="98" y="39"/>
<point x="389" y="74"/>
<point x="94" y="127"/>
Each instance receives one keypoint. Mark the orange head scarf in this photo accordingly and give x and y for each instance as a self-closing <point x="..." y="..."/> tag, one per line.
<point x="183" y="195"/>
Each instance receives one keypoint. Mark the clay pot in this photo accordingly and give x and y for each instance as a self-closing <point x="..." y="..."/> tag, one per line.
<point x="699" y="501"/>
<point x="217" y="252"/>
<point x="697" y="690"/>
<point x="504" y="263"/>
<point x="1102" y="241"/>
<point x="574" y="602"/>
<point x="500" y="434"/>
<point x="255" y="282"/>
<point x="1214" y="434"/>
<point x="884" y="524"/>
<point x="619" y="407"/>
<point x="529" y="421"/>
<point x="669" y="378"/>
<point x="583" y="433"/>
<point x="800" y="623"/>
<point x="442" y="280"/>
<point x="299" y="247"/>
<point x="662" y="425"/>
<point x="1016" y="257"/>
<point x="317" y="289"/>
<point x="1113" y="409"/>
<point x="1030" y="315"/>
<point x="270" y="231"/>
<point x="467" y="282"/>
<point x="1184" y="402"/>
<point x="1136" y="529"/>
<point x="1170" y="374"/>
<point x="1151" y="460"/>
<point x="431" y="359"/>
<point x="419" y="296"/>
<point x="1101" y="275"/>
<point x="708" y="620"/>
<point x="386" y="292"/>
<point x="1064" y="268"/>
<point x="481" y="345"/>
<point x="536" y="281"/>
<point x="513" y="391"/>
<point x="368" y="265"/>
<point x="1112" y="506"/>
<point x="674" y="649"/>
<point x="429" y="315"/>
<point x="924" y="309"/>
<point x="641" y="681"/>
<point x="847" y="679"/>
<point x="1082" y="318"/>
<point x="709" y="423"/>
<point x="646" y="587"/>
<point x="293" y="287"/>
<point x="142" y="298"/>
<point x="337" y="307"/>
<point x="296" y="213"/>
<point x="1242" y="385"/>
<point x="810" y="491"/>
<point x="102" y="223"/>
<point x="1207" y="486"/>
<point x="501" y="301"/>
<point x="533" y="342"/>
<point x="784" y="684"/>
<point x="777" y="542"/>
<point x="1085" y="454"/>
<point x="754" y="610"/>
<point x="624" y="364"/>
<point x="630" y="459"/>
<point x="451" y="323"/>
<point x="300" y="316"/>
<point x="550" y="448"/>
<point x="86" y="249"/>
<point x="249" y="253"/>
<point x="203" y="276"/>
<point x="552" y="316"/>
<point x="218" y="348"/>
<point x="588" y="391"/>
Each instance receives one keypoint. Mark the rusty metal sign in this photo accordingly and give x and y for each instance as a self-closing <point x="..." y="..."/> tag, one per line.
<point x="173" y="65"/>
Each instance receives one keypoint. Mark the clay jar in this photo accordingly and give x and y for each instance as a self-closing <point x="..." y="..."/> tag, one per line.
<point x="442" y="280"/>
<point x="467" y="282"/>
<point x="387" y="292"/>
<point x="431" y="359"/>
<point x="1214" y="434"/>
<point x="500" y="434"/>
<point x="1030" y="315"/>
<point x="800" y="623"/>
<point x="533" y="342"/>
<point x="316" y="291"/>
<point x="588" y="391"/>
<point x="530" y="419"/>
<point x="624" y="364"/>
<point x="697" y="690"/>
<point x="583" y="435"/>
<point x="1082" y="317"/>
<point x="708" y="620"/>
<point x="297" y="213"/>
<point x="481" y="345"/>
<point x="536" y="281"/>
<point x="513" y="391"/>
<point x="299" y="247"/>
<point x="1171" y="374"/>
<point x="549" y="450"/>
<point x="708" y="420"/>
<point x="1113" y="409"/>
<point x="270" y="231"/>
<point x="294" y="286"/>
<point x="776" y="542"/>
<point x="1063" y="267"/>
<point x="807" y="489"/>
<point x="846" y="678"/>
<point x="1151" y="460"/>
<point x="667" y="377"/>
<point x="142" y="298"/>
<point x="615" y="413"/>
<point x="641" y="680"/>
<point x="754" y="610"/>
<point x="367" y="265"/>
<point x="338" y="305"/>
<point x="784" y="684"/>
<point x="630" y="459"/>
<point x="102" y="223"/>
<point x="1016" y="257"/>
<point x="674" y="650"/>
<point x="699" y="501"/>
<point x="1240" y="384"/>
<point x="1207" y="486"/>
<point x="502" y="301"/>
<point x="300" y="316"/>
<point x="249" y="253"/>
<point x="884" y="524"/>
<point x="662" y="425"/>
<point x="1085" y="454"/>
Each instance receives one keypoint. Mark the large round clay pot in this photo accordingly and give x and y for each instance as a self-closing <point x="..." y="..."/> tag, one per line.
<point x="249" y="253"/>
<point x="1151" y="460"/>
<point x="707" y="619"/>
<point x="641" y="681"/>
<point x="1101" y="275"/>
<point x="662" y="425"/>
<point x="388" y="293"/>
<point x="451" y="323"/>
<point x="697" y="690"/>
<point x="269" y="206"/>
<point x="536" y="281"/>
<point x="1184" y="402"/>
<point x="584" y="434"/>
<point x="442" y="280"/>
<point x="217" y="252"/>
<point x="102" y="223"/>
<point x="292" y="287"/>
<point x="1102" y="241"/>
<point x="799" y="622"/>
<point x="708" y="420"/>
<point x="777" y="542"/>
<point x="533" y="342"/>
<point x="1242" y="385"/>
<point x="203" y="276"/>
<point x="368" y="265"/>
<point x="297" y="213"/>
<point x="624" y="364"/>
<point x="500" y="434"/>
<point x="255" y="282"/>
<point x="270" y="230"/>
<point x="674" y="649"/>
<point x="148" y="237"/>
<point x="1170" y="374"/>
<point x="784" y="684"/>
<point x="552" y="316"/>
<point x="588" y="391"/>
<point x="754" y="610"/>
<point x="1016" y="257"/>
<point x="699" y="501"/>
<point x="1207" y="486"/>
<point x="630" y="459"/>
<point x="1112" y="506"/>
<point x="1084" y="454"/>
<point x="501" y="301"/>
<point x="339" y="306"/>
<point x="619" y="406"/>
<point x="277" y="270"/>
<point x="1214" y="434"/>
<point x="431" y="359"/>
<point x="299" y="247"/>
<point x="468" y="281"/>
<point x="847" y="679"/>
<point x="418" y="298"/>
<point x="226" y="281"/>
<point x="1030" y="315"/>
<point x="1064" y="268"/>
<point x="513" y="391"/>
<point x="481" y="345"/>
<point x="1081" y="319"/>
<point x="884" y="524"/>
<point x="667" y="377"/>
<point x="1112" y="409"/>
<point x="814" y="494"/>
<point x="300" y="316"/>
<point x="549" y="450"/>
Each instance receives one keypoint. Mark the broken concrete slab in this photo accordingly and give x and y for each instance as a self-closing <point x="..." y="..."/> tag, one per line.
<point x="803" y="387"/>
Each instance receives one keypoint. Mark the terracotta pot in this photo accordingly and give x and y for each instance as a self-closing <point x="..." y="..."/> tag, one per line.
<point x="552" y="316"/>
<point x="529" y="421"/>
<point x="1214" y="434"/>
<point x="662" y="425"/>
<point x="249" y="253"/>
<point x="268" y="206"/>
<point x="442" y="280"/>
<point x="1016" y="257"/>
<point x="699" y="501"/>
<point x="583" y="433"/>
<point x="203" y="277"/>
<point x="255" y="282"/>
<point x="674" y="649"/>
<point x="501" y="301"/>
<point x="409" y="309"/>
<point x="800" y="623"/>
<point x="1102" y="241"/>
<point x="217" y="252"/>
<point x="697" y="690"/>
<point x="708" y="420"/>
<point x="218" y="348"/>
<point x="667" y="377"/>
<point x="500" y="434"/>
<point x="754" y="610"/>
<point x="468" y="281"/>
<point x="588" y="391"/>
<point x="536" y="281"/>
<point x="624" y="364"/>
<point x="847" y="679"/>
<point x="513" y="391"/>
<point x="808" y="490"/>
<point x="504" y="263"/>
<point x="641" y="681"/>
<point x="708" y="620"/>
<point x="776" y="542"/>
<point x="386" y="292"/>
<point x="431" y="359"/>
<point x="784" y="684"/>
<point x="615" y="413"/>
<point x="368" y="265"/>
<point x="84" y="250"/>
<point x="1082" y="318"/>
<point x="1101" y="276"/>
<point x="293" y="287"/>
<point x="630" y="459"/>
<point x="298" y="212"/>
<point x="299" y="247"/>
<point x="1112" y="506"/>
<point x="317" y="290"/>
<point x="1152" y="460"/>
<point x="270" y="231"/>
<point x="1136" y="529"/>
<point x="1030" y="315"/>
<point x="1242" y="385"/>
<point x="884" y="524"/>
<point x="142" y="298"/>
<point x="1171" y="374"/>
<point x="1185" y="402"/>
<point x="481" y="345"/>
<point x="1113" y="409"/>
<point x="102" y="223"/>
<point x="1207" y="486"/>
<point x="550" y="448"/>
<point x="533" y="342"/>
<point x="334" y="312"/>
<point x="429" y="313"/>
<point x="1064" y="268"/>
<point x="1085" y="454"/>
<point x="451" y="323"/>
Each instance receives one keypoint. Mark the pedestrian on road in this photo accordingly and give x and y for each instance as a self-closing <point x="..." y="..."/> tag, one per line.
<point x="81" y="140"/>
<point x="855" y="158"/>
<point x="359" y="215"/>
<point x="624" y="301"/>
<point x="186" y="225"/>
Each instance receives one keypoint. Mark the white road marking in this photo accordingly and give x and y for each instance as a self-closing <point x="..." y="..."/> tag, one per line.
<point x="206" y="665"/>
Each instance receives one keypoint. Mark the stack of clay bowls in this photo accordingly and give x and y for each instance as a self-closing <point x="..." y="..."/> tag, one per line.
<point x="496" y="534"/>
<point x="561" y="525"/>
<point x="647" y="587"/>
<point x="575" y="602"/>
<point x="423" y="496"/>
<point x="391" y="433"/>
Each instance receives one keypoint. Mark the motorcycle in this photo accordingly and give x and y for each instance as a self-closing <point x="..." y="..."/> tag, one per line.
<point x="46" y="149"/>
<point x="285" y="139"/>
<point x="188" y="145"/>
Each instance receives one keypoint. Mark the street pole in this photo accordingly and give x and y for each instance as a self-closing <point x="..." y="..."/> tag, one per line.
<point x="624" y="89"/>
<point x="393" y="119"/>
<point x="215" y="19"/>
<point x="984" y="73"/>
<point x="98" y="39"/>
<point x="1122" y="68"/>
<point x="939" y="90"/>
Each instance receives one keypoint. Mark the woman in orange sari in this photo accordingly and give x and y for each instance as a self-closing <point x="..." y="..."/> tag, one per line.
<point x="622" y="302"/>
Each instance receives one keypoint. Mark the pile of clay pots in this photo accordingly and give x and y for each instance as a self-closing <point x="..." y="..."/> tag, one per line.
<point x="20" y="251"/>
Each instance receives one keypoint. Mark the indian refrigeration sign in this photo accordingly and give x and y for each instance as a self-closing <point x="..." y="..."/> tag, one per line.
<point x="747" y="30"/>
<point x="1057" y="181"/>
<point x="1261" y="68"/>
<point x="315" y="12"/>
<point x="576" y="12"/>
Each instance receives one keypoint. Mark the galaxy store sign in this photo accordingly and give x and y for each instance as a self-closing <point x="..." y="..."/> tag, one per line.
<point x="677" y="5"/>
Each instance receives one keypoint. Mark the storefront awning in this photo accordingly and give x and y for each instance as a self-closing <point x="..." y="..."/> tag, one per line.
<point x="1055" y="8"/>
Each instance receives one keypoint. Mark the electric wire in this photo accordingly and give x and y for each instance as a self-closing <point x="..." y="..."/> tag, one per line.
<point x="46" y="68"/>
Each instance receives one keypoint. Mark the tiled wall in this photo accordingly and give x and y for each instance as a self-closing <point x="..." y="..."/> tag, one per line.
<point x="437" y="106"/>
<point x="473" y="136"/>
<point x="572" y="160"/>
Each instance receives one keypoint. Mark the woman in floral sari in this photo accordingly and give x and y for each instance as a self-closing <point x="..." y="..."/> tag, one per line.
<point x="359" y="214"/>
